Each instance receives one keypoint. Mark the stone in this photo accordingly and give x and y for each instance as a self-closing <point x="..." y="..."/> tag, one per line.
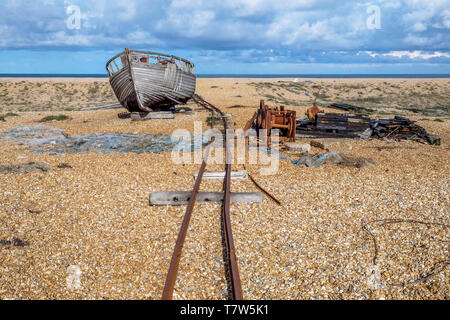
<point x="434" y="139"/>
<point x="321" y="144"/>
<point x="366" y="134"/>
<point x="298" y="147"/>
<point x="57" y="142"/>
<point x="5" y="242"/>
<point x="356" y="162"/>
<point x="26" y="167"/>
<point x="19" y="242"/>
<point x="335" y="158"/>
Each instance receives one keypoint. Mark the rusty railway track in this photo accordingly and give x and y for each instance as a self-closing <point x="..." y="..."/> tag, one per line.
<point x="234" y="278"/>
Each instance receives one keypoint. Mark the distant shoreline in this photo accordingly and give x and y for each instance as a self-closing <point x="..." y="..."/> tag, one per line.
<point x="241" y="76"/>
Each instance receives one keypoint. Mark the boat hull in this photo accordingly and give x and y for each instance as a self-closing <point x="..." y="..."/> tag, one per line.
<point x="145" y="87"/>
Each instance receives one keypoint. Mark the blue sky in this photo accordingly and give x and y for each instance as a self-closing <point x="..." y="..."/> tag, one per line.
<point x="229" y="36"/>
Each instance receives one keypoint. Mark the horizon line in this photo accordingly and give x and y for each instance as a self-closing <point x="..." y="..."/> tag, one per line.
<point x="238" y="75"/>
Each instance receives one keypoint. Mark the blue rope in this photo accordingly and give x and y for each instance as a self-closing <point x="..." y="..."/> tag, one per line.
<point x="317" y="160"/>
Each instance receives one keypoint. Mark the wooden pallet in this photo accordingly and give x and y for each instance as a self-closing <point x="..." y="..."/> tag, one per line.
<point x="334" y="125"/>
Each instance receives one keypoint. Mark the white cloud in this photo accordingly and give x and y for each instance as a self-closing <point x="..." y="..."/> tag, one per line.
<point x="419" y="27"/>
<point x="392" y="4"/>
<point x="127" y="10"/>
<point x="419" y="15"/>
<point x="243" y="29"/>
<point x="187" y="23"/>
<point x="446" y="19"/>
<point x="422" y="41"/>
<point x="417" y="54"/>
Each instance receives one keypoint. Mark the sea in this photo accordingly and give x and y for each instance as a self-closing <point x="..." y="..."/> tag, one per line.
<point x="261" y="76"/>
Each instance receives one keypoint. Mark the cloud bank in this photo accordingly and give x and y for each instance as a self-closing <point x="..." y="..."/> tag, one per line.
<point x="243" y="31"/>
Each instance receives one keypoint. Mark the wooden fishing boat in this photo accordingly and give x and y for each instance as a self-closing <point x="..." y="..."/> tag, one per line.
<point x="145" y="81"/>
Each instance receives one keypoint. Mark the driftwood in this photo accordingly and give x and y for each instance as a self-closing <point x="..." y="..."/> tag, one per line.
<point x="351" y="108"/>
<point x="178" y="198"/>
<point x="105" y="107"/>
<point x="141" y="116"/>
<point x="242" y="174"/>
<point x="400" y="128"/>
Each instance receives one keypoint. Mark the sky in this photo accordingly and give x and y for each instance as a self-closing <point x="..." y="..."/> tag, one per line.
<point x="229" y="36"/>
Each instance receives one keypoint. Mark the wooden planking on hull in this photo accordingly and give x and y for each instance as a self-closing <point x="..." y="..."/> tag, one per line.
<point x="143" y="86"/>
<point x="151" y="89"/>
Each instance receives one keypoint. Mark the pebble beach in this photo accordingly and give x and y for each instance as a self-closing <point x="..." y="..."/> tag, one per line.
<point x="376" y="232"/>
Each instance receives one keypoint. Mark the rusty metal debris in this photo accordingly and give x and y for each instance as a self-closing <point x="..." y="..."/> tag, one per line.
<point x="268" y="119"/>
<point x="312" y="112"/>
<point x="401" y="128"/>
<point x="236" y="288"/>
<point x="278" y="202"/>
<point x="336" y="125"/>
<point x="64" y="166"/>
<point x="174" y="263"/>
<point x="16" y="242"/>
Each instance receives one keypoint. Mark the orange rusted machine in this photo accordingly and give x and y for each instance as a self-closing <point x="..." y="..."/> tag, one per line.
<point x="268" y="118"/>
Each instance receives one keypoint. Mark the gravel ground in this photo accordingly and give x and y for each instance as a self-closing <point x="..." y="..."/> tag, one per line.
<point x="95" y="218"/>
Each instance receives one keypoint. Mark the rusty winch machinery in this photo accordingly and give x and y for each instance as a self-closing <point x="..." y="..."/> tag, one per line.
<point x="274" y="118"/>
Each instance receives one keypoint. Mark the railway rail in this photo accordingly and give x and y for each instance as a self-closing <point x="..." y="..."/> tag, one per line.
<point x="231" y="260"/>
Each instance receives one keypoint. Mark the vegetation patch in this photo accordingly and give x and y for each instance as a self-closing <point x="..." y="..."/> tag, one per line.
<point x="11" y="114"/>
<point x="376" y="100"/>
<point x="238" y="106"/>
<point x="209" y="119"/>
<point x="60" y="117"/>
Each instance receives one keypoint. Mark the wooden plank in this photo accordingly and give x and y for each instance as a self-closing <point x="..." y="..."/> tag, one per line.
<point x="358" y="123"/>
<point x="332" y="122"/>
<point x="141" y="116"/>
<point x="358" y="120"/>
<point x="179" y="198"/>
<point x="249" y="123"/>
<point x="108" y="106"/>
<point x="241" y="174"/>
<point x="332" y="118"/>
<point x="323" y="127"/>
<point x="323" y="134"/>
